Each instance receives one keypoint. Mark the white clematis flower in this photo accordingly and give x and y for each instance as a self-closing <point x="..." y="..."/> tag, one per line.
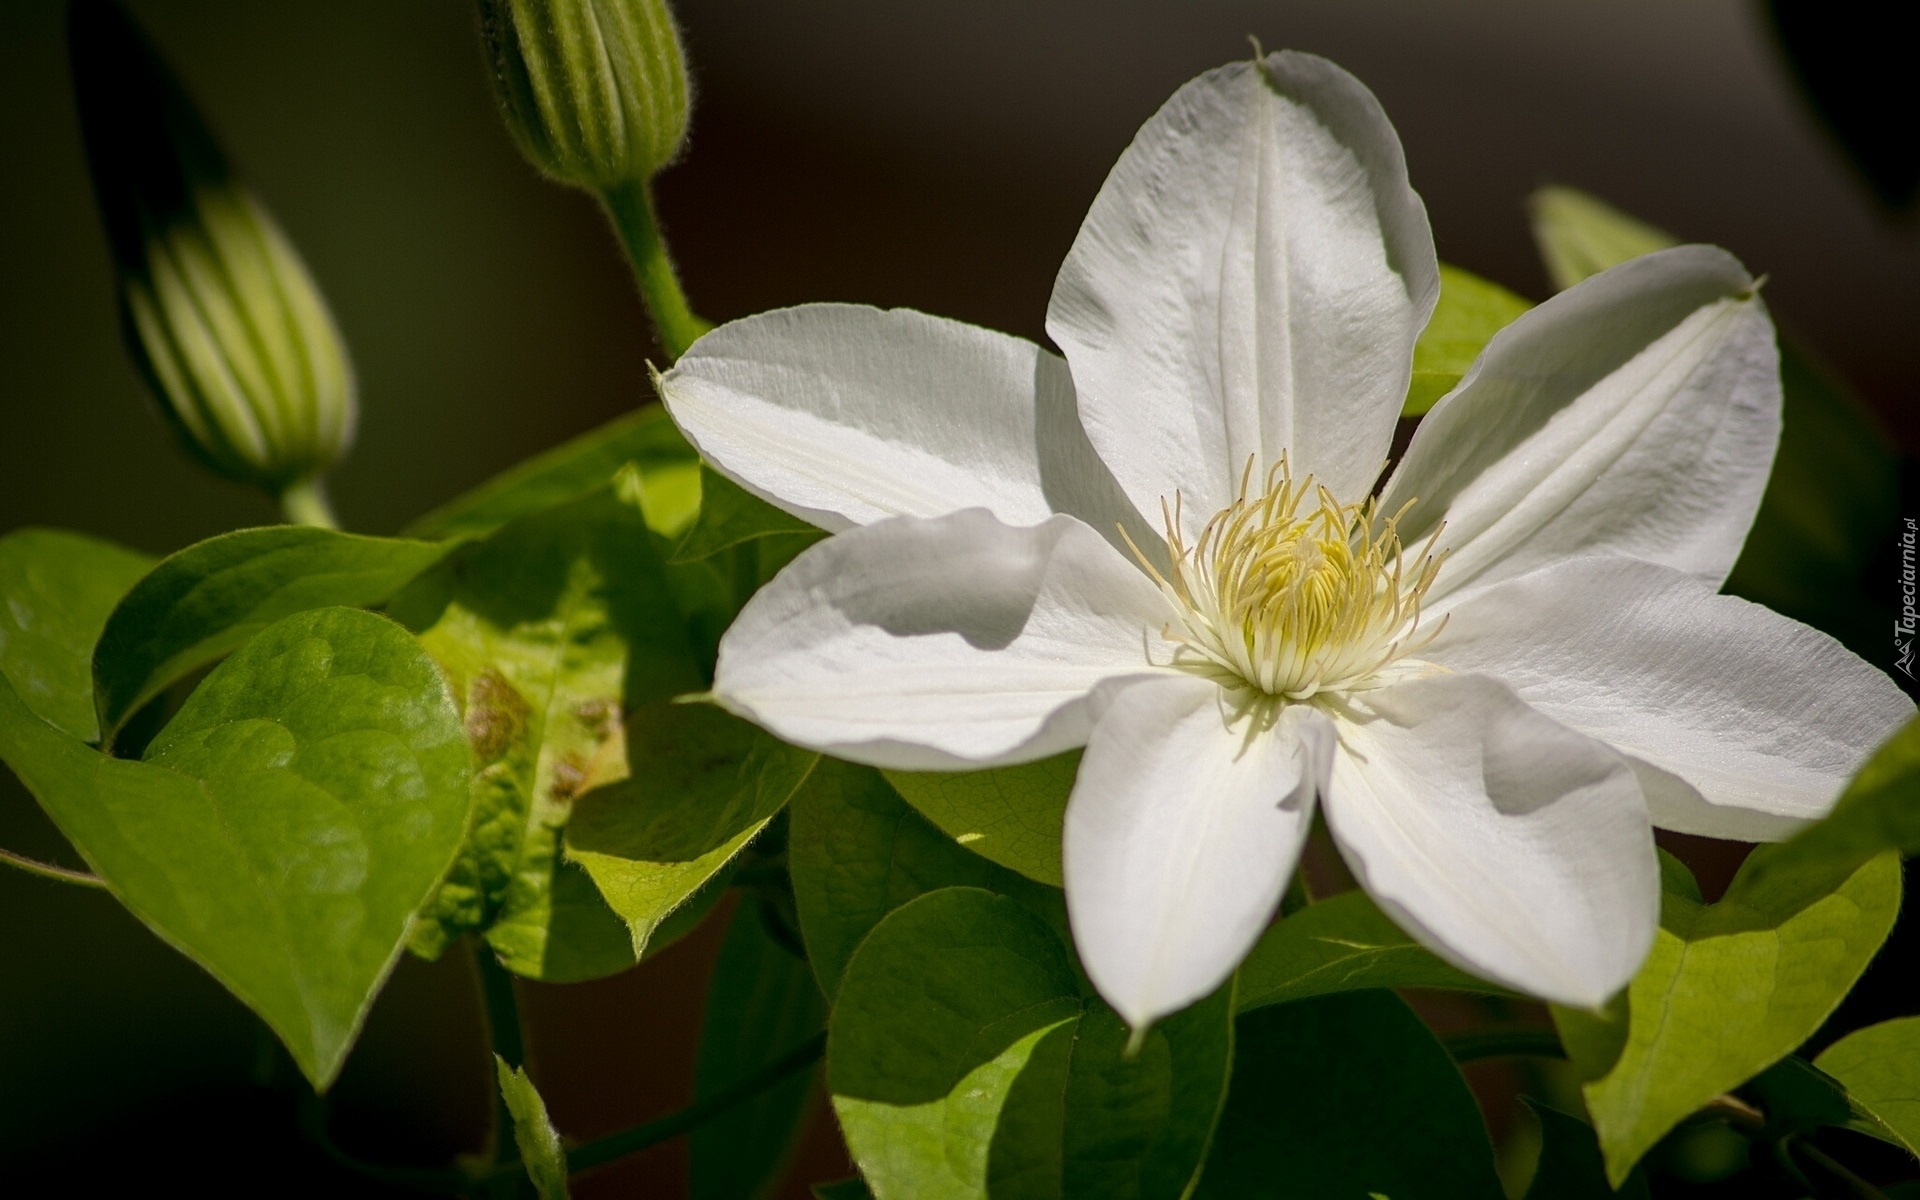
<point x="1492" y="673"/>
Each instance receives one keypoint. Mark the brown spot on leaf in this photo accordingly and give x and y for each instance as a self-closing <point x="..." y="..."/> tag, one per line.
<point x="600" y="714"/>
<point x="568" y="774"/>
<point x="496" y="716"/>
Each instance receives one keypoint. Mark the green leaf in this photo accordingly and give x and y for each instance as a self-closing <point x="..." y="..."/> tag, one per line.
<point x="1797" y="1096"/>
<point x="1342" y="944"/>
<point x="541" y="1152"/>
<point x="1570" y="1166"/>
<point x="1580" y="235"/>
<point x="843" y="1189"/>
<point x="964" y="1061"/>
<point x="856" y="852"/>
<point x="700" y="783"/>
<point x="56" y="590"/>
<point x="732" y="516"/>
<point x="761" y="1003"/>
<point x="551" y="629"/>
<point x="1880" y="1068"/>
<point x="1728" y="990"/>
<point x="1012" y="815"/>
<point x="285" y="826"/>
<point x="205" y="600"/>
<point x="1879" y="811"/>
<point x="1832" y="500"/>
<point x="646" y="439"/>
<point x="1470" y="311"/>
<point x="1346" y="1096"/>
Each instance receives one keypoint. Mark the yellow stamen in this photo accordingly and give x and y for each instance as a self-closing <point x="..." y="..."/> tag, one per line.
<point x="1292" y="593"/>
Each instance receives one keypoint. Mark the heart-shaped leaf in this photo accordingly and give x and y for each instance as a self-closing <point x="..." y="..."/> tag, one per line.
<point x="56" y="589"/>
<point x="856" y="852"/>
<point x="731" y="516"/>
<point x="1342" y="944"/>
<point x="285" y="826"/>
<point x="1880" y="1068"/>
<point x="1728" y="989"/>
<point x="1346" y="1096"/>
<point x="1012" y="815"/>
<point x="964" y="1060"/>
<point x="700" y="783"/>
<point x="646" y="440"/>
<point x="205" y="600"/>
<point x="551" y="628"/>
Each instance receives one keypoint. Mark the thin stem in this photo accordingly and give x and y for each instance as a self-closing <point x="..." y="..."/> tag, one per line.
<point x="630" y="207"/>
<point x="305" y="503"/>
<point x="504" y="1035"/>
<point x="1504" y="1043"/>
<point x="442" y="1181"/>
<point x="1856" y="1186"/>
<point x="1735" y="1112"/>
<point x="630" y="1141"/>
<point x="45" y="870"/>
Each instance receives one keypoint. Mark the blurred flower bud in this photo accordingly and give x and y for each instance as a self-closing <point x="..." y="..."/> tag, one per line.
<point x="595" y="91"/>
<point x="220" y="314"/>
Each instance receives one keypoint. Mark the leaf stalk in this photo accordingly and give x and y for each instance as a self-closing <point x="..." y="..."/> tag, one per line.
<point x="46" y="870"/>
<point x="1504" y="1043"/>
<point x="630" y="1141"/>
<point x="502" y="1014"/>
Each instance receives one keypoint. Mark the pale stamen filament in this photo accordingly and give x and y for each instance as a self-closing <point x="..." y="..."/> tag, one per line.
<point x="1294" y="605"/>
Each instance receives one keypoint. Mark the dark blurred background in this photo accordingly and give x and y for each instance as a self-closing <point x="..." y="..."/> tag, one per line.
<point x="899" y="152"/>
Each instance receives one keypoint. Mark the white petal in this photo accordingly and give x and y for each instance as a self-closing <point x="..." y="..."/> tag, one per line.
<point x="929" y="644"/>
<point x="1180" y="836"/>
<point x="844" y="415"/>
<point x="1251" y="279"/>
<point x="1675" y="804"/>
<point x="1765" y="717"/>
<point x="1506" y="842"/>
<point x="1634" y="413"/>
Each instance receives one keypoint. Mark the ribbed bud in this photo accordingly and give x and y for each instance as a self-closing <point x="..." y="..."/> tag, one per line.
<point x="220" y="314"/>
<point x="595" y="91"/>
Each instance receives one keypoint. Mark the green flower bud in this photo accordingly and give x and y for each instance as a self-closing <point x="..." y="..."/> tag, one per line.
<point x="595" y="91"/>
<point x="219" y="312"/>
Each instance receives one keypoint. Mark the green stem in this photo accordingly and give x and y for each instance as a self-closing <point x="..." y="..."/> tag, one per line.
<point x="504" y="1035"/>
<point x="45" y="870"/>
<point x="305" y="503"/>
<point x="630" y="1141"/>
<point x="630" y="207"/>
<point x="1856" y="1186"/>
<point x="1504" y="1043"/>
<point x="1735" y="1112"/>
<point x="439" y="1181"/>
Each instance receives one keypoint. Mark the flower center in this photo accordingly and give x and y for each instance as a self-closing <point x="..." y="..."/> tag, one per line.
<point x="1293" y="594"/>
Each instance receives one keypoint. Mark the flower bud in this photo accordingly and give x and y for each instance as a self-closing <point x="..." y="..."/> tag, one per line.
<point x="219" y="312"/>
<point x="595" y="91"/>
